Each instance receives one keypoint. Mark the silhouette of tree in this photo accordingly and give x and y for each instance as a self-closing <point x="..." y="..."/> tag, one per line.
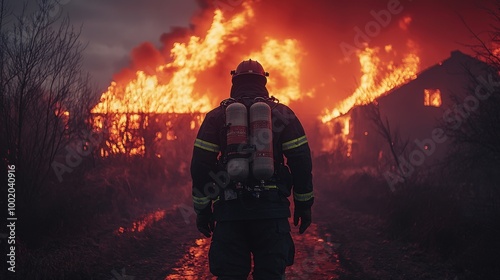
<point x="475" y="130"/>
<point x="45" y="94"/>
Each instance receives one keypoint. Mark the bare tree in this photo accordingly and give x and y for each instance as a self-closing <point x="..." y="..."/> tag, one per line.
<point x="474" y="129"/>
<point x="396" y="144"/>
<point x="487" y="43"/>
<point x="474" y="125"/>
<point x="44" y="93"/>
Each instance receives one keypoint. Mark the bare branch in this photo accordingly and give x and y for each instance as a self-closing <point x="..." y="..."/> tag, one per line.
<point x="44" y="90"/>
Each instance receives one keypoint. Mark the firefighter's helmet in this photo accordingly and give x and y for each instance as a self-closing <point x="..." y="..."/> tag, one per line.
<point x="249" y="67"/>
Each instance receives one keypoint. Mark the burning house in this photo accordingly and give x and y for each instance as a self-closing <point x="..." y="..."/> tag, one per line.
<point x="155" y="107"/>
<point x="411" y="116"/>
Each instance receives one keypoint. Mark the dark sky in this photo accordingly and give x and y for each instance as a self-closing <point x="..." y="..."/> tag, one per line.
<point x="113" y="28"/>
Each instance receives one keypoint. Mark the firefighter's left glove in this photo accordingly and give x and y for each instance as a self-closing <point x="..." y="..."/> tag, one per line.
<point x="304" y="215"/>
<point x="205" y="223"/>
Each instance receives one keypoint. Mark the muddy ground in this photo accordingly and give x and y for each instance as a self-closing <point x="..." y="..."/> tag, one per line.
<point x="341" y="244"/>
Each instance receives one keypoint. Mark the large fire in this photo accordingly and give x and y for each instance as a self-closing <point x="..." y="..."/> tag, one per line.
<point x="160" y="92"/>
<point x="283" y="59"/>
<point x="174" y="88"/>
<point x="378" y="77"/>
<point x="186" y="79"/>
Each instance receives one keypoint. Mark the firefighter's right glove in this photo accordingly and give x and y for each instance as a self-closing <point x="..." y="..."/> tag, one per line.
<point x="205" y="223"/>
<point x="304" y="214"/>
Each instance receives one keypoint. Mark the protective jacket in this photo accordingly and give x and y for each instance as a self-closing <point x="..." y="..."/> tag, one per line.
<point x="293" y="165"/>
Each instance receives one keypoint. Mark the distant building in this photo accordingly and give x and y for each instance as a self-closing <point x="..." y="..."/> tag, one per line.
<point x="415" y="111"/>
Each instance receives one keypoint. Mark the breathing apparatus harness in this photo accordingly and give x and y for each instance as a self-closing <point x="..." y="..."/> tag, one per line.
<point x="248" y="156"/>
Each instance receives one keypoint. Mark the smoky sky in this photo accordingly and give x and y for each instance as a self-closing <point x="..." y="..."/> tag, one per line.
<point x="116" y="30"/>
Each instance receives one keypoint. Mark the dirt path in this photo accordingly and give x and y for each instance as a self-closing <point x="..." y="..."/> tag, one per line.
<point x="169" y="247"/>
<point x="165" y="245"/>
<point x="342" y="244"/>
<point x="315" y="259"/>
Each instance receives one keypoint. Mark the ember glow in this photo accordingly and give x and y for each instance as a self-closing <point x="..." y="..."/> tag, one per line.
<point x="140" y="225"/>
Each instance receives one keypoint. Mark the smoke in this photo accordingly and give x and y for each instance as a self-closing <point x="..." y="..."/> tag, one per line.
<point x="177" y="34"/>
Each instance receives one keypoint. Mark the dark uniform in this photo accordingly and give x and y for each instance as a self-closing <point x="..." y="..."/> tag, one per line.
<point x="251" y="222"/>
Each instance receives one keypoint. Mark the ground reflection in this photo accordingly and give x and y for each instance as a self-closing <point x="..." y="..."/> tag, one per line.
<point x="315" y="258"/>
<point x="193" y="265"/>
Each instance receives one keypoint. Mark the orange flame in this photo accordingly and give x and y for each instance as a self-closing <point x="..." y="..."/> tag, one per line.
<point x="374" y="83"/>
<point x="180" y="86"/>
<point x="282" y="60"/>
<point x="432" y="97"/>
<point x="142" y="224"/>
<point x="149" y="93"/>
<point x="172" y="88"/>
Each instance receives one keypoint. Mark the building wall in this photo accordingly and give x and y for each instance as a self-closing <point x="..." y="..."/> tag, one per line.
<point x="407" y="115"/>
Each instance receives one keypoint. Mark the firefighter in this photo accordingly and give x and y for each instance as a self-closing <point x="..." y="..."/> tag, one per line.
<point x="248" y="216"/>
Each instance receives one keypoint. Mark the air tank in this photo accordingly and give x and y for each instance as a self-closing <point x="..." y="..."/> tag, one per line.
<point x="237" y="139"/>
<point x="262" y="138"/>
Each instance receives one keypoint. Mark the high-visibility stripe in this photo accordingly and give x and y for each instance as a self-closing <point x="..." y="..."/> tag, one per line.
<point x="206" y="145"/>
<point x="303" y="196"/>
<point x="294" y="143"/>
<point x="270" y="187"/>
<point x="201" y="202"/>
<point x="201" y="199"/>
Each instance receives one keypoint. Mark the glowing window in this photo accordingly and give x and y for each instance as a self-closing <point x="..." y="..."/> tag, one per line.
<point x="432" y="97"/>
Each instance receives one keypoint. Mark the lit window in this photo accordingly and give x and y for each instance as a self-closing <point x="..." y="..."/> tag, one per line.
<point x="432" y="97"/>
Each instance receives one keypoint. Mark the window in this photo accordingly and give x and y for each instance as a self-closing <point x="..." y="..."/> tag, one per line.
<point x="432" y="97"/>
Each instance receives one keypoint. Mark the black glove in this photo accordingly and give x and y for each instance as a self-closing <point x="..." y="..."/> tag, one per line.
<point x="205" y="223"/>
<point x="304" y="214"/>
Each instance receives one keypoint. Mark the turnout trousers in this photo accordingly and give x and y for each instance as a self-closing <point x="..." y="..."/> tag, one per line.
<point x="235" y="242"/>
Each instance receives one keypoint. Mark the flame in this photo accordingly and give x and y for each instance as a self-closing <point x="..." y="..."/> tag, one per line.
<point x="346" y="137"/>
<point x="181" y="83"/>
<point x="150" y="93"/>
<point x="142" y="224"/>
<point x="377" y="79"/>
<point x="339" y="136"/>
<point x="374" y="83"/>
<point x="172" y="87"/>
<point x="346" y="129"/>
<point x="282" y="60"/>
<point x="432" y="97"/>
<point x="169" y="88"/>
